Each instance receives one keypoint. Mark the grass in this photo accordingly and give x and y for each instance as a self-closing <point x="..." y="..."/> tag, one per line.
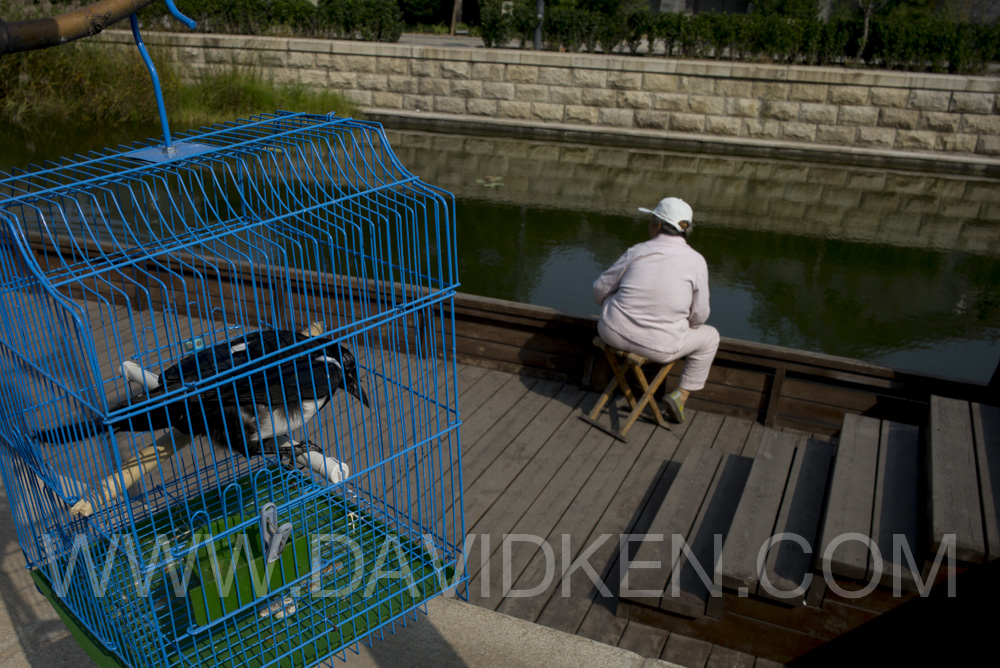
<point x="96" y="85"/>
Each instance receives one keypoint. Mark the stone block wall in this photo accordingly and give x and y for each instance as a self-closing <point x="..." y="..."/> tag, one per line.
<point x="840" y="107"/>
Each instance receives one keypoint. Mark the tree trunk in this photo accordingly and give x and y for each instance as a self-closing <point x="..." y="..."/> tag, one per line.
<point x="19" y="36"/>
<point x="864" y="36"/>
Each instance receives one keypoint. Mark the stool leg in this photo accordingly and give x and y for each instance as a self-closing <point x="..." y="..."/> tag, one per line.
<point x="650" y="389"/>
<point x="641" y="405"/>
<point x="603" y="399"/>
<point x="622" y="380"/>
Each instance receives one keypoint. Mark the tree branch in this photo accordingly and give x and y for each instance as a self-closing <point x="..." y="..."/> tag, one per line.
<point x="19" y="36"/>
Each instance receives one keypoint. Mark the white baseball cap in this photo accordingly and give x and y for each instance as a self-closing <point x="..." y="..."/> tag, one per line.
<point x="673" y="211"/>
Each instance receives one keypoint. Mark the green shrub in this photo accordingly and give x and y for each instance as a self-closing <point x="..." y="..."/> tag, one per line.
<point x="667" y="29"/>
<point x="368" y="20"/>
<point x="639" y="25"/>
<point x="611" y="31"/>
<point x="298" y="15"/>
<point x="525" y="20"/>
<point x="696" y="35"/>
<point x="725" y="29"/>
<point x="564" y="27"/>
<point x="496" y="27"/>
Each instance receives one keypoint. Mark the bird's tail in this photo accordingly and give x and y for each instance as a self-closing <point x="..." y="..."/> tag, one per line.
<point x="71" y="433"/>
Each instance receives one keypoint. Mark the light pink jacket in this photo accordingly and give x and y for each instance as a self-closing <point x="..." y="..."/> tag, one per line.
<point x="654" y="293"/>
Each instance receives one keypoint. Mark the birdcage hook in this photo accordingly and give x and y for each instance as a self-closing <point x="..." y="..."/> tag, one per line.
<point x="169" y="150"/>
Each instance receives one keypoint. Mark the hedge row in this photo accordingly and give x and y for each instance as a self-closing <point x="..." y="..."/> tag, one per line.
<point x="902" y="40"/>
<point x="369" y="20"/>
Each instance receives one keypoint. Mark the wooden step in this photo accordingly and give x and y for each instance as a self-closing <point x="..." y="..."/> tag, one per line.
<point x="789" y="562"/>
<point x="986" y="433"/>
<point x="851" y="497"/>
<point x="687" y="593"/>
<point x="953" y="485"/>
<point x="873" y="496"/>
<point x="758" y="509"/>
<point x="647" y="581"/>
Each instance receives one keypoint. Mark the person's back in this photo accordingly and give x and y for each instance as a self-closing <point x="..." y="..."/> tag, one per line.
<point x="660" y="294"/>
<point x="655" y="300"/>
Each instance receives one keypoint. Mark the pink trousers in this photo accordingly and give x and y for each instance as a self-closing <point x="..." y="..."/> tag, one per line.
<point x="698" y="348"/>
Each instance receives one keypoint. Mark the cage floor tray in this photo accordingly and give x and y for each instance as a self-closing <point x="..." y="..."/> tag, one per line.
<point x="318" y="598"/>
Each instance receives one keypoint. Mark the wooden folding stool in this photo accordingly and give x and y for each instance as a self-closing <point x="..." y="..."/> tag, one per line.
<point x="633" y="362"/>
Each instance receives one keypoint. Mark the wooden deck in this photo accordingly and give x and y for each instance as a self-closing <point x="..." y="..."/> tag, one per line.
<point x="532" y="467"/>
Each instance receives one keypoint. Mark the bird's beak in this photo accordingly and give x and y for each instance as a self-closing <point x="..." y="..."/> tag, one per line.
<point x="354" y="388"/>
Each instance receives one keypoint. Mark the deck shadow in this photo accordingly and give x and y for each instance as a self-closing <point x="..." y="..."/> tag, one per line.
<point x="936" y="629"/>
<point x="22" y="603"/>
<point x="639" y="523"/>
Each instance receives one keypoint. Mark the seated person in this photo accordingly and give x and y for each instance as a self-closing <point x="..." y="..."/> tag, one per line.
<point x="654" y="302"/>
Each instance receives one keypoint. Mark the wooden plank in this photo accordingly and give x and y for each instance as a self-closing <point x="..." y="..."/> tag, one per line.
<point x="701" y="433"/>
<point x="896" y="512"/>
<point x="774" y="397"/>
<point x="504" y="429"/>
<point x="672" y="521"/>
<point x="723" y="657"/>
<point x="494" y="406"/>
<point x="500" y="352"/>
<point x="646" y="641"/>
<point x="754" y="438"/>
<point x="728" y="396"/>
<point x="767" y="663"/>
<point x="602" y="623"/>
<point x="733" y="434"/>
<point x="686" y="651"/>
<point x="880" y="406"/>
<point x="808" y="411"/>
<point x="851" y="399"/>
<point x="563" y="340"/>
<point x="755" y="380"/>
<point x="953" y="488"/>
<point x="587" y="448"/>
<point x="828" y="622"/>
<point x="801" y="510"/>
<point x="736" y="631"/>
<point x="489" y="492"/>
<point x="630" y="511"/>
<point x="986" y="431"/>
<point x="852" y="495"/>
<point x="802" y="426"/>
<point x="580" y="516"/>
<point x="757" y="510"/>
<point x="692" y="595"/>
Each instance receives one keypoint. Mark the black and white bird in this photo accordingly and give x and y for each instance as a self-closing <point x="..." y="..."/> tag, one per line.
<point x="275" y="390"/>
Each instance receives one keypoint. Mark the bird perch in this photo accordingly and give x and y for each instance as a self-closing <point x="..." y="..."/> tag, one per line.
<point x="17" y="36"/>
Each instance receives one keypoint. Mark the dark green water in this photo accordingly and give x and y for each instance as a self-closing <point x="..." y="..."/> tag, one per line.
<point x="889" y="267"/>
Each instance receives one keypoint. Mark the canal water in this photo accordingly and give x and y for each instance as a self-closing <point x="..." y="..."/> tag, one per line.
<point x="891" y="267"/>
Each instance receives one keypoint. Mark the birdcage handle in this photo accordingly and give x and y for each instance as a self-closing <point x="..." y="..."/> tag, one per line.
<point x="133" y="20"/>
<point x="176" y="13"/>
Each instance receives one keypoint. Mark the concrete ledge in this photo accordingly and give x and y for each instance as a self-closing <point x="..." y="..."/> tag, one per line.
<point x="460" y="635"/>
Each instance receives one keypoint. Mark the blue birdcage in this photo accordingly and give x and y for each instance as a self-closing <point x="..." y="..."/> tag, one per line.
<point x="228" y="416"/>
